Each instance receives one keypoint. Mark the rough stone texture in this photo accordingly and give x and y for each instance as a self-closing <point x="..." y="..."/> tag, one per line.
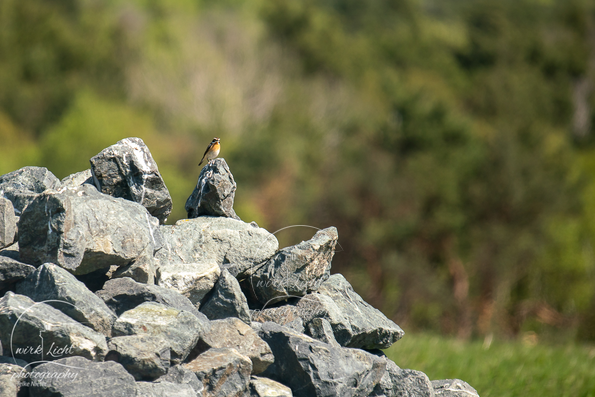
<point x="127" y="170"/>
<point x="226" y="300"/>
<point x="78" y="179"/>
<point x="181" y="329"/>
<point x="14" y="361"/>
<point x="83" y="230"/>
<point x="355" y="322"/>
<point x="62" y="336"/>
<point x="223" y="372"/>
<point x="235" y="245"/>
<point x="79" y="377"/>
<point x="123" y="294"/>
<point x="64" y="292"/>
<point x="453" y="388"/>
<point x="264" y="387"/>
<point x="193" y="280"/>
<point x="181" y="375"/>
<point x="320" y="329"/>
<point x="296" y="270"/>
<point x="8" y="223"/>
<point x="408" y="382"/>
<point x="12" y="271"/>
<point x="11" y="376"/>
<point x="232" y="332"/>
<point x="385" y="387"/>
<point x="214" y="192"/>
<point x="146" y="357"/>
<point x="163" y="389"/>
<point x="282" y="315"/>
<point x="23" y="185"/>
<point x="313" y="368"/>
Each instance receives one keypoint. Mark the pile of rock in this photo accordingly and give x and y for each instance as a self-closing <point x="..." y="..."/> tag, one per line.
<point x="100" y="298"/>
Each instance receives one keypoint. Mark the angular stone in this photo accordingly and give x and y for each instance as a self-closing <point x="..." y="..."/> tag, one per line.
<point x="8" y="223"/>
<point x="12" y="377"/>
<point x="181" y="329"/>
<point x="348" y="314"/>
<point x="77" y="377"/>
<point x="295" y="271"/>
<point x="181" y="375"/>
<point x="83" y="230"/>
<point x="78" y="179"/>
<point x="408" y="382"/>
<point x="14" y="361"/>
<point x="12" y="271"/>
<point x="223" y="372"/>
<point x="214" y="192"/>
<point x="385" y="387"/>
<point x="123" y="294"/>
<point x="164" y="389"/>
<point x="193" y="280"/>
<point x="64" y="292"/>
<point x="234" y="333"/>
<point x="453" y="388"/>
<point x="313" y="368"/>
<point x="264" y="387"/>
<point x="146" y="357"/>
<point x="26" y="326"/>
<point x="127" y="170"/>
<point x="320" y="329"/>
<point x="235" y="245"/>
<point x="226" y="300"/>
<point x="282" y="315"/>
<point x="23" y="185"/>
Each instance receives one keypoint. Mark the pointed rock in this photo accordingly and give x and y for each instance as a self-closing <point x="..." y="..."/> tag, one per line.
<point x="226" y="300"/>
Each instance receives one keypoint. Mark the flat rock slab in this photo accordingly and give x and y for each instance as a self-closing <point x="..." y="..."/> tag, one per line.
<point x="265" y="387"/>
<point x="146" y="357"/>
<point x="36" y="332"/>
<point x="127" y="170"/>
<point x="193" y="280"/>
<point x="83" y="230"/>
<point x="234" y="333"/>
<point x="79" y="377"/>
<point x="453" y="388"/>
<point x="64" y="292"/>
<point x="226" y="300"/>
<point x="23" y="185"/>
<point x="164" y="389"/>
<point x="223" y="372"/>
<point x="8" y="223"/>
<point x="313" y="368"/>
<point x="181" y="329"/>
<point x="234" y="245"/>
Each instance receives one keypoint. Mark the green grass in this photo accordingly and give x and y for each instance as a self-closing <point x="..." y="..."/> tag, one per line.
<point x="504" y="369"/>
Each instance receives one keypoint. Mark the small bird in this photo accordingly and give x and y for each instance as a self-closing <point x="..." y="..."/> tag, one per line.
<point x="212" y="151"/>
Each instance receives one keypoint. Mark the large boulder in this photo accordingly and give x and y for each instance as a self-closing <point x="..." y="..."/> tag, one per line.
<point x="36" y="331"/>
<point x="180" y="329"/>
<point x="296" y="270"/>
<point x="127" y="170"/>
<point x="77" y="376"/>
<point x="226" y="300"/>
<point x="234" y="245"/>
<point x="12" y="271"/>
<point x="146" y="357"/>
<point x="193" y="280"/>
<point x="83" y="230"/>
<point x="214" y="192"/>
<point x="8" y="223"/>
<point x="63" y="291"/>
<point x="313" y="368"/>
<point x="23" y="185"/>
<point x="223" y="372"/>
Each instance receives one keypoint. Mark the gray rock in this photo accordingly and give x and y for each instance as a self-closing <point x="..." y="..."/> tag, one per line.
<point x="214" y="192"/>
<point x="23" y="185"/>
<point x="8" y="223"/>
<point x="78" y="179"/>
<point x="181" y="329"/>
<point x="226" y="300"/>
<point x="369" y="328"/>
<point x="408" y="382"/>
<point x="193" y="280"/>
<point x="79" y="377"/>
<point x="313" y="368"/>
<point x="234" y="333"/>
<point x="282" y="315"/>
<point x="235" y="245"/>
<point x="14" y="361"/>
<point x="123" y="294"/>
<point x="181" y="375"/>
<point x="320" y="329"/>
<point x="13" y="379"/>
<point x="296" y="270"/>
<point x="36" y="331"/>
<point x="12" y="271"/>
<point x="223" y="372"/>
<point x="385" y="387"/>
<point x="453" y="388"/>
<point x="64" y="292"/>
<point x="264" y="387"/>
<point x="83" y="230"/>
<point x="127" y="170"/>
<point x="163" y="389"/>
<point x="146" y="357"/>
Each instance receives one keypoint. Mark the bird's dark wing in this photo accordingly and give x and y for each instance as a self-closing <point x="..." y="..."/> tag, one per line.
<point x="206" y="151"/>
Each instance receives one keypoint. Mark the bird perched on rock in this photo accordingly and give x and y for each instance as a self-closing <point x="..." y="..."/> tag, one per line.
<point x="212" y="151"/>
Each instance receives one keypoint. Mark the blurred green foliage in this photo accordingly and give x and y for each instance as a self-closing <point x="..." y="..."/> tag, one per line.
<point x="450" y="141"/>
